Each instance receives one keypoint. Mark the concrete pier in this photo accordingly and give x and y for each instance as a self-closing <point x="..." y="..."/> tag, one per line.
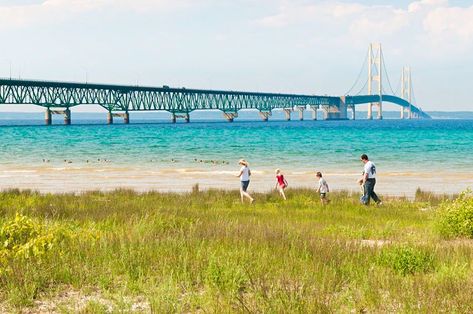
<point x="109" y="117"/>
<point x="300" y="109"/>
<point x="402" y="113"/>
<point x="287" y="113"/>
<point x="314" y="112"/>
<point x="265" y="115"/>
<point x="340" y="112"/>
<point x="66" y="113"/>
<point x="353" y="112"/>
<point x="184" y="116"/>
<point x="67" y="116"/>
<point x="370" y="112"/>
<point x="48" y="117"/>
<point x="124" y="115"/>
<point x="380" y="111"/>
<point x="230" y="116"/>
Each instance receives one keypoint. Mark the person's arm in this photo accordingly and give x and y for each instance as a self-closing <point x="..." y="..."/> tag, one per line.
<point x="365" y="174"/>
<point x="285" y="182"/>
<point x="239" y="175"/>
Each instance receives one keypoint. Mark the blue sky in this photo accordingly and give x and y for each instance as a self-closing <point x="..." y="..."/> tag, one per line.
<point x="299" y="46"/>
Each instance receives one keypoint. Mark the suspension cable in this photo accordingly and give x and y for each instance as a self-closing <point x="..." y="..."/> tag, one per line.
<point x="386" y="72"/>
<point x="359" y="92"/>
<point x="399" y="82"/>
<point x="359" y="75"/>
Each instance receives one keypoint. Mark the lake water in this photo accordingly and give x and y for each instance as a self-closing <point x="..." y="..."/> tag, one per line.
<point x="435" y="155"/>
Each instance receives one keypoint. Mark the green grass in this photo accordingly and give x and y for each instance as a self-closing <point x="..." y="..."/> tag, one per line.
<point x="206" y="252"/>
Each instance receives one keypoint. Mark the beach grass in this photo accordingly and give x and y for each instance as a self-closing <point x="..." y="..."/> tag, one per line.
<point x="205" y="252"/>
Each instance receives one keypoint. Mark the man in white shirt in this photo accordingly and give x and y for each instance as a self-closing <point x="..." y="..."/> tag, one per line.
<point x="369" y="181"/>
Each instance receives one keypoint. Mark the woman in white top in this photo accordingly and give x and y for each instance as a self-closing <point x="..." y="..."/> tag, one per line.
<point x="244" y="176"/>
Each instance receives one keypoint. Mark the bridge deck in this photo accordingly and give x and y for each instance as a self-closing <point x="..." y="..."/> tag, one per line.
<point x="123" y="98"/>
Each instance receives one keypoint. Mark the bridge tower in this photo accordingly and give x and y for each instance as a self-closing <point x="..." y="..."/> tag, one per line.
<point x="406" y="90"/>
<point x="375" y="79"/>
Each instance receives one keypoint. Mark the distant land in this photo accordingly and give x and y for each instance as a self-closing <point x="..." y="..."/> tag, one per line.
<point x="451" y="114"/>
<point x="37" y="118"/>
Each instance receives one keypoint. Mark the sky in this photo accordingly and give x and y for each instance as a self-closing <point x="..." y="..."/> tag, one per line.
<point x="298" y="46"/>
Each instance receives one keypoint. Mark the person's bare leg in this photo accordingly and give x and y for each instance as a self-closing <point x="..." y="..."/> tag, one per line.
<point x="324" y="200"/>
<point x="242" y="196"/>
<point x="247" y="195"/>
<point x="281" y="191"/>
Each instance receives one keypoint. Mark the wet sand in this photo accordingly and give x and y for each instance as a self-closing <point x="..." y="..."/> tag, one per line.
<point x="64" y="178"/>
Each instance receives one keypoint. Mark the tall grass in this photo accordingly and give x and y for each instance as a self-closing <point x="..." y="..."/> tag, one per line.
<point x="204" y="251"/>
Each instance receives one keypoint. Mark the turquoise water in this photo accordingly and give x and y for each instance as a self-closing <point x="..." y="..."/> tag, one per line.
<point x="425" y="146"/>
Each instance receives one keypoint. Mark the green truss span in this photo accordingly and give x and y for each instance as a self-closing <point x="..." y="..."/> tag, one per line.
<point x="121" y="98"/>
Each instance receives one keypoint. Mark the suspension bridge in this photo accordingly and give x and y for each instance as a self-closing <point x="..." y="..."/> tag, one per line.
<point x="119" y="100"/>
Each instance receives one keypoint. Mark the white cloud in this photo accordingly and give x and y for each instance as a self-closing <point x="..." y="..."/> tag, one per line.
<point x="435" y="24"/>
<point x="450" y="24"/>
<point x="423" y="5"/>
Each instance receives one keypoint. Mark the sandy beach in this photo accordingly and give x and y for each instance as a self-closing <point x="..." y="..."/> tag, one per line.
<point x="65" y="178"/>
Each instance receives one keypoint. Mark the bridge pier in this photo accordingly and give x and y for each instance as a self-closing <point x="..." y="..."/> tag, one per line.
<point x="109" y="117"/>
<point x="336" y="112"/>
<point x="66" y="113"/>
<point x="184" y="116"/>
<point x="353" y="112"/>
<point x="370" y="111"/>
<point x="314" y="112"/>
<point x="287" y="113"/>
<point x="300" y="109"/>
<point x="124" y="115"/>
<point x="402" y="113"/>
<point x="230" y="116"/>
<point x="380" y="111"/>
<point x="265" y="115"/>
<point x="67" y="116"/>
<point x="379" y="114"/>
<point x="47" y="116"/>
<point x="331" y="113"/>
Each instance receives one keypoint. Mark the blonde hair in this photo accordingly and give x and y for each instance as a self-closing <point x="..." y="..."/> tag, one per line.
<point x="243" y="162"/>
<point x="278" y="170"/>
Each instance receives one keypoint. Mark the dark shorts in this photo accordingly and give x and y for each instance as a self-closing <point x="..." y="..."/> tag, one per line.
<point x="323" y="195"/>
<point x="244" y="185"/>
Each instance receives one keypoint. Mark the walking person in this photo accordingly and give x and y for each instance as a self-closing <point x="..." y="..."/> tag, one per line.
<point x="281" y="183"/>
<point x="322" y="188"/>
<point x="369" y="181"/>
<point x="244" y="176"/>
